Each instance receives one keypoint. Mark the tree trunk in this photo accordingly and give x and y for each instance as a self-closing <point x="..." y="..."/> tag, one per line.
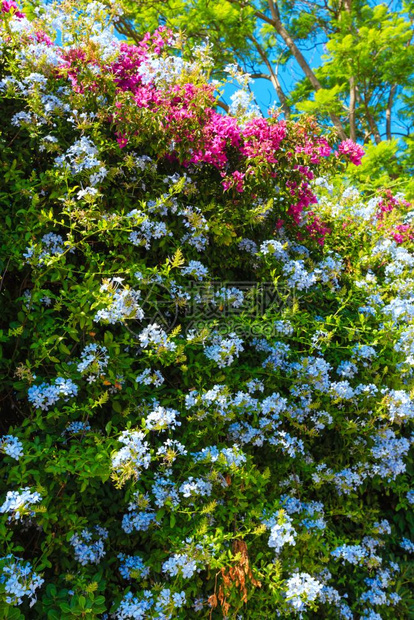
<point x="352" y="100"/>
<point x="389" y="110"/>
<point x="273" y="78"/>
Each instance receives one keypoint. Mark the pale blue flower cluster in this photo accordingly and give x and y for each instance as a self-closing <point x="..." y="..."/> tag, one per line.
<point x="46" y="395"/>
<point x="132" y="567"/>
<point x="301" y="589"/>
<point x="123" y="304"/>
<point x="347" y="369"/>
<point x="196" y="486"/>
<point x="376" y="593"/>
<point x="81" y="156"/>
<point x="161" y="419"/>
<point x="148" y="229"/>
<point x="146" y="606"/>
<point x="170" y="449"/>
<point x="12" y="446"/>
<point x="75" y="428"/>
<point x="223" y="350"/>
<point x="155" y="337"/>
<point x="89" y="545"/>
<point x="247" y="245"/>
<point x="197" y="226"/>
<point x="400" y="406"/>
<point x="181" y="564"/>
<point x="283" y="327"/>
<point x="407" y="545"/>
<point x="228" y="297"/>
<point x="282" y="531"/>
<point x="19" y="580"/>
<point x="50" y="245"/>
<point x="195" y="269"/>
<point x="135" y="454"/>
<point x="165" y="491"/>
<point x="19" y="503"/>
<point x="230" y="457"/>
<point x="94" y="360"/>
<point x="150" y="377"/>
<point x="354" y="554"/>
<point x="389" y="450"/>
<point x="140" y="515"/>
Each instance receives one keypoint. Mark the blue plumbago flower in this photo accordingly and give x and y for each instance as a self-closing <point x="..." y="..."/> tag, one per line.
<point x="46" y="395"/>
<point x="170" y="449"/>
<point x="196" y="486"/>
<point x="223" y="350"/>
<point x="195" y="269"/>
<point x="162" y="419"/>
<point x="165" y="491"/>
<point x="254" y="386"/>
<point x="82" y="155"/>
<point x="199" y="603"/>
<point x="180" y="564"/>
<point x="329" y="269"/>
<point x="140" y="514"/>
<point x="407" y="545"/>
<point x="132" y="567"/>
<point x="400" y="406"/>
<point x="145" y="606"/>
<point x="94" y="359"/>
<point x="370" y="614"/>
<point x="18" y="503"/>
<point x="197" y="226"/>
<point x="389" y="450"/>
<point x="354" y="554"/>
<point x="283" y="327"/>
<point x="348" y="480"/>
<point x="301" y="589"/>
<point x="247" y="245"/>
<point x="376" y="593"/>
<point x="12" y="446"/>
<point x="330" y="595"/>
<point x="347" y="369"/>
<point x="297" y="276"/>
<point x="405" y="345"/>
<point x="150" y="377"/>
<point x="168" y="599"/>
<point x="277" y="353"/>
<point x="341" y="390"/>
<point x="74" y="428"/>
<point x="123" y="304"/>
<point x="276" y="249"/>
<point x="148" y="229"/>
<point x="314" y="511"/>
<point x="134" y="608"/>
<point x="314" y="371"/>
<point x="135" y="455"/>
<point x="410" y="497"/>
<point x="230" y="457"/>
<point x="19" y="580"/>
<point x="50" y="245"/>
<point x="364" y="353"/>
<point x="282" y="531"/>
<point x="154" y="336"/>
<point x="89" y="545"/>
<point x="383" y="527"/>
<point x="227" y="297"/>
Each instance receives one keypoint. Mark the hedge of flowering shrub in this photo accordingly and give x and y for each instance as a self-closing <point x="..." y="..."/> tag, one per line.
<point x="206" y="376"/>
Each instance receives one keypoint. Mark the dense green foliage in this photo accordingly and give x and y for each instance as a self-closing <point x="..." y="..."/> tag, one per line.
<point x="206" y="374"/>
